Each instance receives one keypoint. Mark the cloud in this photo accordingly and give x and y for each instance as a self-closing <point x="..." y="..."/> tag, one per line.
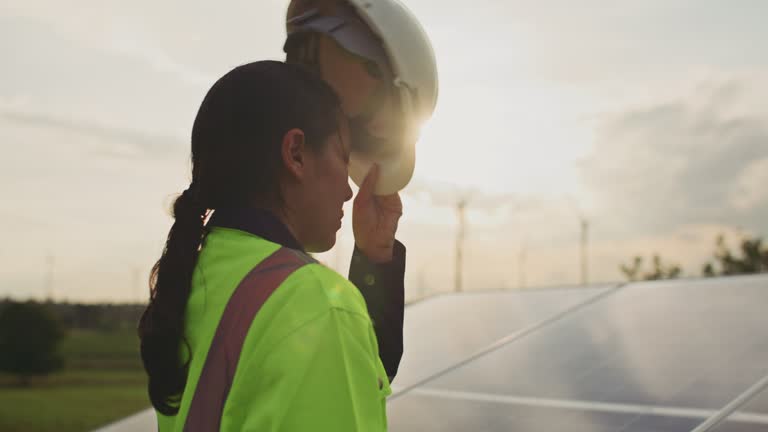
<point x="160" y="61"/>
<point x="51" y="73"/>
<point x="113" y="141"/>
<point x="750" y="191"/>
<point x="443" y="194"/>
<point x="681" y="162"/>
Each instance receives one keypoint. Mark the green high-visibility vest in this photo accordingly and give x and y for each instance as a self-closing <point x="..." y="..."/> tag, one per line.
<point x="309" y="360"/>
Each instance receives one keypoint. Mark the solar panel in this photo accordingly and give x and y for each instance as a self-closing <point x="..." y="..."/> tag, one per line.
<point x="424" y="413"/>
<point x="680" y="348"/>
<point x="443" y="330"/>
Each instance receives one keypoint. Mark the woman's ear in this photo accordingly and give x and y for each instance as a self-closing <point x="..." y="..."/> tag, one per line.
<point x="293" y="151"/>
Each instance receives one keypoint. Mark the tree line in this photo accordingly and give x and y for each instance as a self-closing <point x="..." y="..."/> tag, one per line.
<point x="750" y="257"/>
<point x="31" y="332"/>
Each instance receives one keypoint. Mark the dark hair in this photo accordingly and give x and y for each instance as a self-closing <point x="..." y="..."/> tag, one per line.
<point x="236" y="161"/>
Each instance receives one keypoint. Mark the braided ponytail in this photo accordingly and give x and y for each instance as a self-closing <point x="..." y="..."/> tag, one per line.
<point x="170" y="283"/>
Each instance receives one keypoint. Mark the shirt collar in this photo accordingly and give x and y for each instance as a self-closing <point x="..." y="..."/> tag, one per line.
<point x="257" y="221"/>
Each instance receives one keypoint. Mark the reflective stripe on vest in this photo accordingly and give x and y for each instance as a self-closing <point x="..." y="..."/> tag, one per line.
<point x="218" y="371"/>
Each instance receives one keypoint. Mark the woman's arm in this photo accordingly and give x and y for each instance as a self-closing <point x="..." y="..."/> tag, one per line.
<point x="383" y="287"/>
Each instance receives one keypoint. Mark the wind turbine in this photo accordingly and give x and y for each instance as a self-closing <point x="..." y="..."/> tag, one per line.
<point x="584" y="240"/>
<point x="460" y="199"/>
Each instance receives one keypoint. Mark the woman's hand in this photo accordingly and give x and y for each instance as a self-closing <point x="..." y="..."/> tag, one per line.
<point x="374" y="219"/>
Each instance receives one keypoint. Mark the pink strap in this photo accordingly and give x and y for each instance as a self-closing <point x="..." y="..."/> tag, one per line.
<point x="216" y="378"/>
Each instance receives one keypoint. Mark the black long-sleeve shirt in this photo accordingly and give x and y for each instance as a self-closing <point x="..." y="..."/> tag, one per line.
<point x="383" y="287"/>
<point x="381" y="284"/>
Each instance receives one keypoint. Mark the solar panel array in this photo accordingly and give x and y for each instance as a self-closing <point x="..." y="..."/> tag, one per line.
<point x="666" y="356"/>
<point x="652" y="356"/>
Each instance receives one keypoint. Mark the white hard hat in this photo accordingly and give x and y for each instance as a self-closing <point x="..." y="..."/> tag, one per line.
<point x="400" y="45"/>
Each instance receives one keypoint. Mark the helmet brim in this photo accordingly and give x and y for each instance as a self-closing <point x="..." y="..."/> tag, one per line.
<point x="395" y="171"/>
<point x="348" y="31"/>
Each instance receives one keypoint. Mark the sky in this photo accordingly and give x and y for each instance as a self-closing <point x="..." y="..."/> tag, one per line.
<point x="647" y="119"/>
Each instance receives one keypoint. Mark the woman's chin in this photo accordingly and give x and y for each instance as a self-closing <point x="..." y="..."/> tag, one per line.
<point x="325" y="246"/>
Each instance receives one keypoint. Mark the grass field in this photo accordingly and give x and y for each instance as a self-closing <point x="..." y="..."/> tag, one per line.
<point x="101" y="382"/>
